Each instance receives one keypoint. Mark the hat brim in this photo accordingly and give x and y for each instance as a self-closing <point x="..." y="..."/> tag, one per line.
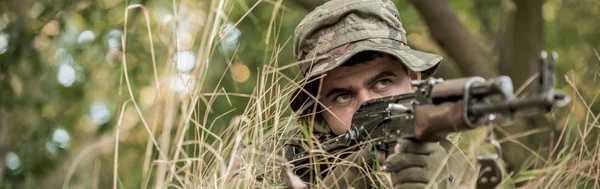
<point x="418" y="61"/>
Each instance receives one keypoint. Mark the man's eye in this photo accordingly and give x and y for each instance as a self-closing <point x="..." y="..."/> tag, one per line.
<point x="343" y="98"/>
<point x="382" y="84"/>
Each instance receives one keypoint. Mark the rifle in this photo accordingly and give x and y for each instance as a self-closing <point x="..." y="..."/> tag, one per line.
<point x="438" y="108"/>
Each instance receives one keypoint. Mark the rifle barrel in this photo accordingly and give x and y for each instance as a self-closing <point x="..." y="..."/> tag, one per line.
<point x="538" y="102"/>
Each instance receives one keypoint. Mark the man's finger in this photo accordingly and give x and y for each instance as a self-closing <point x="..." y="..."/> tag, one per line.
<point x="410" y="175"/>
<point x="416" y="147"/>
<point x="397" y="162"/>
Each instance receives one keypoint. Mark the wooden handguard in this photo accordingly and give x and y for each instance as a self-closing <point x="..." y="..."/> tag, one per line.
<point x="435" y="122"/>
<point x="449" y="88"/>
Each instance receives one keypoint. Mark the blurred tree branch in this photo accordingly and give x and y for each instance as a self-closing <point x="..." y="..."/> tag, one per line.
<point x="447" y="69"/>
<point x="455" y="40"/>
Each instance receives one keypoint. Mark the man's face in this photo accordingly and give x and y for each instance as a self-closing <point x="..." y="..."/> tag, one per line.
<point x="345" y="88"/>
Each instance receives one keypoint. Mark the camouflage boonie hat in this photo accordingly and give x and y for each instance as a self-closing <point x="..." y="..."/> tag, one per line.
<point x="339" y="29"/>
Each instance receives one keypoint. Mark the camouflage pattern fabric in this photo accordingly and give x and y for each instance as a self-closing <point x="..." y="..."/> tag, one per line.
<point x="339" y="29"/>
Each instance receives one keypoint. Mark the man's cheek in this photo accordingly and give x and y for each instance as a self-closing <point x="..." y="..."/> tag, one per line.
<point x="402" y="89"/>
<point x="343" y="116"/>
<point x="347" y="117"/>
<point x="340" y="120"/>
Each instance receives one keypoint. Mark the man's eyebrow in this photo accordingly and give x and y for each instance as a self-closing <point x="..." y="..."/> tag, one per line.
<point x="338" y="90"/>
<point x="379" y="76"/>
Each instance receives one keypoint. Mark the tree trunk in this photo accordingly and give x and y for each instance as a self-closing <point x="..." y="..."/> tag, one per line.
<point x="519" y="59"/>
<point x="522" y="41"/>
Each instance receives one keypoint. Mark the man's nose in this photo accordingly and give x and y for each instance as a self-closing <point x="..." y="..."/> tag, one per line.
<point x="366" y="96"/>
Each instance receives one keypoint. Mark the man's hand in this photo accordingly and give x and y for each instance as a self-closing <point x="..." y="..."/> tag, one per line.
<point x="414" y="164"/>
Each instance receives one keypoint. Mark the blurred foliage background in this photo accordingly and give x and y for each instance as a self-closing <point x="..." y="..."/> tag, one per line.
<point x="62" y="82"/>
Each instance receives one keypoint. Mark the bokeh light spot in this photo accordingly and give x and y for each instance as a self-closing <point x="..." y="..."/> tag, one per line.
<point x="241" y="73"/>
<point x="183" y="83"/>
<point x="130" y="118"/>
<point x="548" y="11"/>
<point x="113" y="39"/>
<point x="3" y="42"/>
<point x="100" y="112"/>
<point x="52" y="28"/>
<point x="12" y="161"/>
<point x="4" y="21"/>
<point x="85" y="37"/>
<point x="66" y="75"/>
<point x="186" y="61"/>
<point x="148" y="95"/>
<point x="36" y="10"/>
<point x="185" y="35"/>
<point x="41" y="42"/>
<point x="61" y="138"/>
<point x="230" y="37"/>
<point x="51" y="148"/>
<point x="16" y="84"/>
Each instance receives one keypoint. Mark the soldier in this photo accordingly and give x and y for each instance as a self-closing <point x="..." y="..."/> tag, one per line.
<point x="352" y="51"/>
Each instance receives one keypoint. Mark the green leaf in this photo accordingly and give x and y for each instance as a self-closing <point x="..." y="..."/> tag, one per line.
<point x="120" y="183"/>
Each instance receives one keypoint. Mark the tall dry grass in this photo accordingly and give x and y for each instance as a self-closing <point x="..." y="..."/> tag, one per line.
<point x="195" y="156"/>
